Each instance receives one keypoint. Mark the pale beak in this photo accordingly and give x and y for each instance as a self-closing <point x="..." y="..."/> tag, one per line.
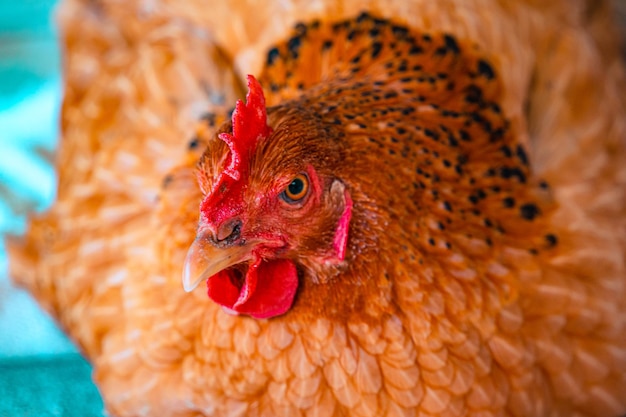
<point x="205" y="260"/>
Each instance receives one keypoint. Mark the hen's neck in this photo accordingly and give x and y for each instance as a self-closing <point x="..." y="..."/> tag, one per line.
<point x="429" y="143"/>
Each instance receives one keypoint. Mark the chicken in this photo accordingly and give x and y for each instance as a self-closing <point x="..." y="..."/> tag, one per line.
<point x="417" y="209"/>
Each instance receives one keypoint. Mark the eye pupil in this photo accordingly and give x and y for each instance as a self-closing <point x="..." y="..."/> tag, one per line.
<point x="296" y="187"/>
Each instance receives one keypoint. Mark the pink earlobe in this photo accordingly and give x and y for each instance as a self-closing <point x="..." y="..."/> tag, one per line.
<point x="340" y="242"/>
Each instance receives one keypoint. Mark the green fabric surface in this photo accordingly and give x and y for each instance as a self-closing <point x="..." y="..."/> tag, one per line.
<point x="56" y="385"/>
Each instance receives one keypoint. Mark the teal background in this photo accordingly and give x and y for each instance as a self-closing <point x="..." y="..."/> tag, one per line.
<point x="41" y="372"/>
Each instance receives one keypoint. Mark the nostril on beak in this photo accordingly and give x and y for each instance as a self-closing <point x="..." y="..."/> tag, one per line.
<point x="229" y="231"/>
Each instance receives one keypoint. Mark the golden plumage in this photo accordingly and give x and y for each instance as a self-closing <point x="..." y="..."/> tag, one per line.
<point x="487" y="279"/>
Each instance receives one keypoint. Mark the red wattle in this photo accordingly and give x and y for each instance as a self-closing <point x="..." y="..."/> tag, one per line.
<point x="249" y="285"/>
<point x="222" y="290"/>
<point x="268" y="290"/>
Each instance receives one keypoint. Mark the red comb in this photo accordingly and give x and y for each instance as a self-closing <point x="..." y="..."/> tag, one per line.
<point x="249" y="126"/>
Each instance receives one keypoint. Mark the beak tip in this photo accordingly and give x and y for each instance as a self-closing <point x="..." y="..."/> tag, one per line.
<point x="189" y="284"/>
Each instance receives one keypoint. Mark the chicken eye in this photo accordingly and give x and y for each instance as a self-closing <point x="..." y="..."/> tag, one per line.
<point x="297" y="189"/>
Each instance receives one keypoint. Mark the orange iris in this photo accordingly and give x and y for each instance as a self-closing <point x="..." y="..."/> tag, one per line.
<point x="297" y="189"/>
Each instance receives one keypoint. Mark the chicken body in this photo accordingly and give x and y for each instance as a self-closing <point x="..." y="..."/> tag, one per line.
<point x="484" y="268"/>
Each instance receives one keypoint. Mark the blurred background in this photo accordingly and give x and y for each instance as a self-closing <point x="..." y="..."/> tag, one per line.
<point x="41" y="372"/>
